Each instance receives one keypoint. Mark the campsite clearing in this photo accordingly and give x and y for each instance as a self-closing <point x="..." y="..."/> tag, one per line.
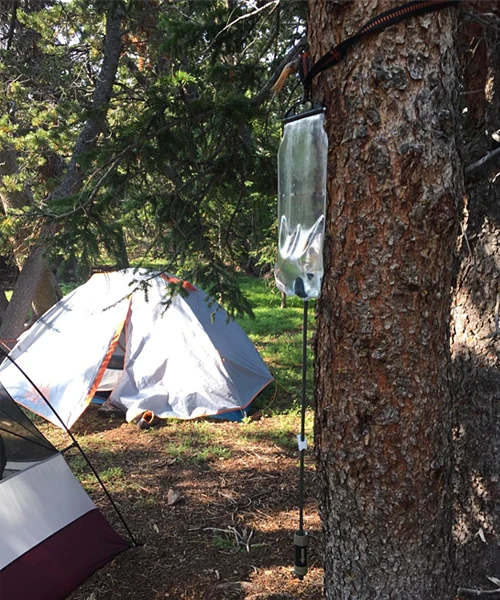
<point x="230" y="537"/>
<point x="231" y="534"/>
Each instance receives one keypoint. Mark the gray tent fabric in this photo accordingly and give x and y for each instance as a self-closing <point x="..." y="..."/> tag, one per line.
<point x="52" y="535"/>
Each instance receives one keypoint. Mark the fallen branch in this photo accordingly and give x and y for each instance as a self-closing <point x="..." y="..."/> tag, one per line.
<point x="479" y="163"/>
<point x="473" y="592"/>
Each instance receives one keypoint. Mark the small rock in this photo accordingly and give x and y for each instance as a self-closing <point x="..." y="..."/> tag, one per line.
<point x="174" y="497"/>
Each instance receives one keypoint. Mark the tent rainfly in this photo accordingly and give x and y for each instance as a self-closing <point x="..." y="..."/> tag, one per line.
<point x="52" y="536"/>
<point x="184" y="359"/>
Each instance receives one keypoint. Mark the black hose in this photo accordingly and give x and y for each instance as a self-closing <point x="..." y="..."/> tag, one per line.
<point x="301" y="540"/>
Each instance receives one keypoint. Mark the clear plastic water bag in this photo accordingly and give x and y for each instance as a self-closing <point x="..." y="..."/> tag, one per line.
<point x="302" y="162"/>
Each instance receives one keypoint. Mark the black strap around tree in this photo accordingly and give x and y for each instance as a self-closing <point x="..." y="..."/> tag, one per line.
<point x="390" y="17"/>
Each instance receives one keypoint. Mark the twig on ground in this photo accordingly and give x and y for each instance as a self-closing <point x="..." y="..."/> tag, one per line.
<point x="241" y="538"/>
<point x="473" y="592"/>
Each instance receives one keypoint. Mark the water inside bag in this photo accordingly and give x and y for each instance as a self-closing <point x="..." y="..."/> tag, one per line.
<point x="302" y="162"/>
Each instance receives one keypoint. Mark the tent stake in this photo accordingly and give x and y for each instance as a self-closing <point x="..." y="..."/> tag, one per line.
<point x="77" y="445"/>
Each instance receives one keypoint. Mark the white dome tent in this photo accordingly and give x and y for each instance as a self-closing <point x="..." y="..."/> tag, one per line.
<point x="184" y="359"/>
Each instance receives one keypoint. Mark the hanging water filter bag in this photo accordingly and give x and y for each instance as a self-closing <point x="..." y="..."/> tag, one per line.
<point x="302" y="162"/>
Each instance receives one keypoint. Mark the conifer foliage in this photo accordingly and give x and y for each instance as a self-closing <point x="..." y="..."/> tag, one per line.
<point x="182" y="167"/>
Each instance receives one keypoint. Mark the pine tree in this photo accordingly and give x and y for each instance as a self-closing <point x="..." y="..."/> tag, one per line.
<point x="383" y="404"/>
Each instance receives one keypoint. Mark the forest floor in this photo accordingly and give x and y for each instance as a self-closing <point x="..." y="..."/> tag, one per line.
<point x="213" y="504"/>
<point x="229" y="533"/>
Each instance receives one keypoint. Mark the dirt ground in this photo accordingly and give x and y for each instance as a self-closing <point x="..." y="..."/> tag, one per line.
<point x="229" y="534"/>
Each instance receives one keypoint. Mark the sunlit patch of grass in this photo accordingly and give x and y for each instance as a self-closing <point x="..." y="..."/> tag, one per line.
<point x="112" y="474"/>
<point x="281" y="429"/>
<point x="196" y="450"/>
<point x="277" y="333"/>
<point x="178" y="450"/>
<point x="212" y="453"/>
<point x="105" y="464"/>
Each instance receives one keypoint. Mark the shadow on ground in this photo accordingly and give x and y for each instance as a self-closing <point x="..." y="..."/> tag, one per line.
<point x="229" y="535"/>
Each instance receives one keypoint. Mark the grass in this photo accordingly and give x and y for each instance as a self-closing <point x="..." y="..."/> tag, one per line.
<point x="223" y="543"/>
<point x="277" y="333"/>
<point x="286" y="426"/>
<point x="112" y="474"/>
<point x="196" y="442"/>
<point x="195" y="453"/>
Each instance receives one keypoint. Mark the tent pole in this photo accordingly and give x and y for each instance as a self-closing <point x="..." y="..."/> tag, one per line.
<point x="75" y="442"/>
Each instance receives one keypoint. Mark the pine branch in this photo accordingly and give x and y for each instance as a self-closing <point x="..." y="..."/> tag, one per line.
<point x="29" y="278"/>
<point x="261" y="96"/>
<point x="273" y="4"/>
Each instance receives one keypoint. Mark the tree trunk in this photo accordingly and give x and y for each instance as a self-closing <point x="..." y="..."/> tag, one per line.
<point x="383" y="406"/>
<point x="3" y="304"/>
<point x="35" y="264"/>
<point x="476" y="335"/>
<point x="8" y="275"/>
<point x="283" y="300"/>
<point x="48" y="291"/>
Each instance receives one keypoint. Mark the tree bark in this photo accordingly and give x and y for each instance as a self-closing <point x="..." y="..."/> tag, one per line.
<point x="383" y="404"/>
<point x="48" y="291"/>
<point x="35" y="264"/>
<point x="475" y="334"/>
